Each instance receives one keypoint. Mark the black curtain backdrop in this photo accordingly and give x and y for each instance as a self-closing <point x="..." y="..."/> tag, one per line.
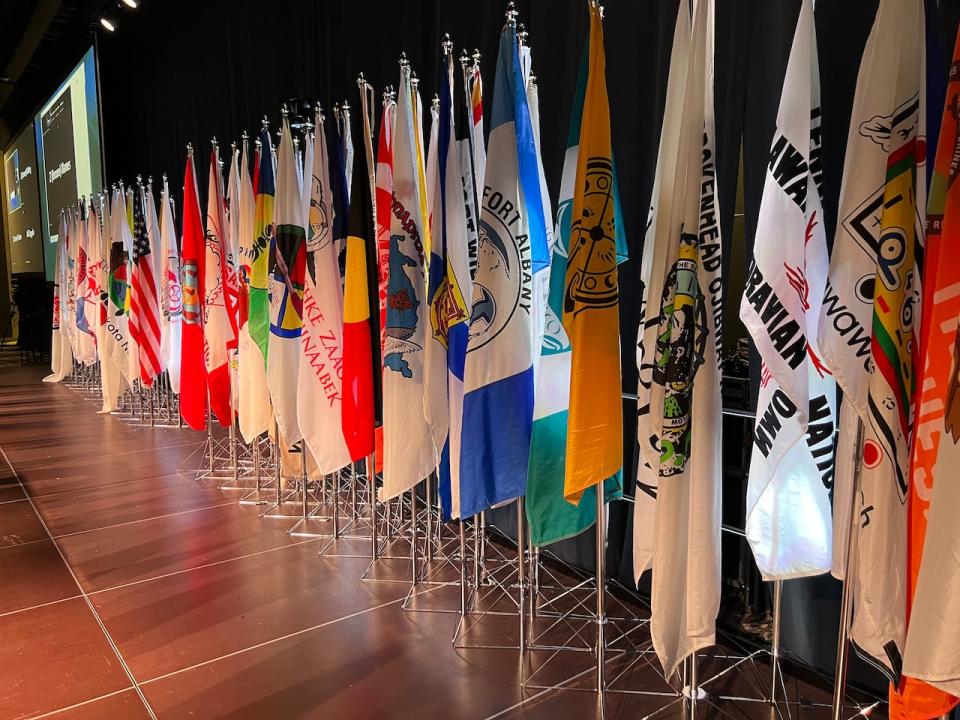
<point x="178" y="72"/>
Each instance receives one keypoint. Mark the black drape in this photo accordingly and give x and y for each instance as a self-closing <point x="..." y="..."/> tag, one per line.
<point x="179" y="71"/>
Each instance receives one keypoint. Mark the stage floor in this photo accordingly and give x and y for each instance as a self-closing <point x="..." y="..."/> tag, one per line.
<point x="130" y="587"/>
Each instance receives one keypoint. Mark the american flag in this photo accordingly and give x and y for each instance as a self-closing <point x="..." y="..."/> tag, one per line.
<point x="144" y="306"/>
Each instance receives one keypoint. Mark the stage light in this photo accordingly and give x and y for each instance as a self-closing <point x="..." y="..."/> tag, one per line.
<point x="131" y="3"/>
<point x="108" y="24"/>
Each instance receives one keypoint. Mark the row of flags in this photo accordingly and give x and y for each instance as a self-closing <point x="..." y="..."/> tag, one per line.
<point x="422" y="301"/>
<point x="419" y="300"/>
<point x="117" y="291"/>
<point x="876" y="319"/>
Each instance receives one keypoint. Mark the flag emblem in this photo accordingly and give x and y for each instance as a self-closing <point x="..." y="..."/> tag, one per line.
<point x="497" y="257"/>
<point x="680" y="348"/>
<point x="594" y="282"/>
<point x="402" y="306"/>
<point x="191" y="292"/>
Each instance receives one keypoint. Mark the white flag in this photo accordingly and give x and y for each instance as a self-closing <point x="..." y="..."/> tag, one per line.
<point x="86" y="300"/>
<point x="788" y="522"/>
<point x="409" y="451"/>
<point x="254" y="409"/>
<point x="115" y="355"/>
<point x="871" y="309"/>
<point x="61" y="354"/>
<point x="288" y="261"/>
<point x="171" y="292"/>
<point x="320" y="380"/>
<point x="679" y="411"/>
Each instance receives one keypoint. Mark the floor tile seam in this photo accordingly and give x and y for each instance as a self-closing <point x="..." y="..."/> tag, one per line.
<point x="34" y="465"/>
<point x="87" y="601"/>
<point x="143" y="520"/>
<point x="89" y="488"/>
<point x="281" y="638"/>
<point x="182" y="571"/>
<point x="38" y="606"/>
<point x="51" y="713"/>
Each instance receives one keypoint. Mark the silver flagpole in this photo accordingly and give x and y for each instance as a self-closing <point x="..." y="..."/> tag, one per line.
<point x="303" y="479"/>
<point x="279" y="461"/>
<point x="413" y="533"/>
<point x="775" y="640"/>
<point x="601" y="589"/>
<point x="846" y="601"/>
<point x="428" y="493"/>
<point x="522" y="572"/>
<point x="372" y="489"/>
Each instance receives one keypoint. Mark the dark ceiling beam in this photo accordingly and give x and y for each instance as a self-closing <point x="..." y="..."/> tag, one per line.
<point x="43" y="14"/>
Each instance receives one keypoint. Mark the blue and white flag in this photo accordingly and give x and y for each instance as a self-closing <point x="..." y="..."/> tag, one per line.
<point x="498" y="374"/>
<point x="449" y="290"/>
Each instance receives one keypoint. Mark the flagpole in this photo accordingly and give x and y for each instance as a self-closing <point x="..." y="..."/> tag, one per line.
<point x="846" y="600"/>
<point x="413" y="534"/>
<point x="601" y="589"/>
<point x="775" y="640"/>
<point x="522" y="571"/>
<point x="372" y="490"/>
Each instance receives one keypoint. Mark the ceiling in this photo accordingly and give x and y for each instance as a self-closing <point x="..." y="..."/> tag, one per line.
<point x="48" y="38"/>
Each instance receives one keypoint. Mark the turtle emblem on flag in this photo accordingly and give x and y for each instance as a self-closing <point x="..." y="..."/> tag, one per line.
<point x="593" y="246"/>
<point x="680" y="348"/>
<point x="402" y="306"/>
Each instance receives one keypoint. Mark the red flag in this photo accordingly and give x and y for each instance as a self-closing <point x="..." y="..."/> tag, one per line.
<point x="193" y="372"/>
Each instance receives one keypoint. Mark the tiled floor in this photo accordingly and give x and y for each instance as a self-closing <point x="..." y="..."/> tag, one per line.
<point x="128" y="589"/>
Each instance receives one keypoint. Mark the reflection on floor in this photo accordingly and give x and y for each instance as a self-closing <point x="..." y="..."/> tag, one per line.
<point x="132" y="589"/>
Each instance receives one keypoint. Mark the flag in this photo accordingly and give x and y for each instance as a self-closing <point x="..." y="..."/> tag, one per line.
<point x="448" y="290"/>
<point x="144" y="306"/>
<point x="306" y="181"/>
<point x="85" y="307"/>
<point x="171" y="292"/>
<point x="288" y="254"/>
<point x="61" y="354"/>
<point x="550" y="516"/>
<point x="384" y="203"/>
<point x="256" y="413"/>
<point x="677" y="514"/>
<point x="97" y="311"/>
<point x="478" y="153"/>
<point x="409" y="452"/>
<point x="870" y="307"/>
<point x="219" y="328"/>
<point x="233" y="254"/>
<point x="591" y="308"/>
<point x="116" y="340"/>
<point x="788" y="523"/>
<point x="346" y="147"/>
<point x="361" y="353"/>
<point x="193" y="374"/>
<point x="498" y="372"/>
<point x="320" y="385"/>
<point x="125" y="228"/>
<point x="931" y="666"/>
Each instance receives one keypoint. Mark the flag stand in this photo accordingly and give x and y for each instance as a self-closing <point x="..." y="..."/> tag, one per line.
<point x="276" y="511"/>
<point x="499" y="591"/>
<point x="430" y="561"/>
<point x="615" y="655"/>
<point x="307" y="516"/>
